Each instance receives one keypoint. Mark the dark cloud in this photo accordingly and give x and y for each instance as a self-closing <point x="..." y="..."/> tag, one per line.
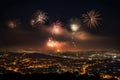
<point x="37" y="38"/>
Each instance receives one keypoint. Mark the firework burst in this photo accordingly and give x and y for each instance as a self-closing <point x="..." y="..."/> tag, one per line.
<point x="51" y="43"/>
<point x="75" y="24"/>
<point x="38" y="17"/>
<point x="13" y="23"/>
<point x="74" y="27"/>
<point x="57" y="28"/>
<point x="91" y="19"/>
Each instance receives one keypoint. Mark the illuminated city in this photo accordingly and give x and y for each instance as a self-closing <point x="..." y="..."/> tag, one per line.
<point x="105" y="63"/>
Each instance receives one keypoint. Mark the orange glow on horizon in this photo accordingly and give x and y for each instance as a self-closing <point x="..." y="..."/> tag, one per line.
<point x="55" y="45"/>
<point x="51" y="43"/>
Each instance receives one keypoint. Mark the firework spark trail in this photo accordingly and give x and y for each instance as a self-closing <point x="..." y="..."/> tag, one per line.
<point x="74" y="27"/>
<point x="91" y="19"/>
<point x="73" y="40"/>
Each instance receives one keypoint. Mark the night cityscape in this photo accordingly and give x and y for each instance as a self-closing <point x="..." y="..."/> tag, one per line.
<point x="59" y="40"/>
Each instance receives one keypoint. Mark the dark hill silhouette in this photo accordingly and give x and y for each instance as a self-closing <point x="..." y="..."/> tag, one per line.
<point x="49" y="76"/>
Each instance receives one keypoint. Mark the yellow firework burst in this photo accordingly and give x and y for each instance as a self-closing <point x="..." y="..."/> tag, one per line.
<point x="91" y="18"/>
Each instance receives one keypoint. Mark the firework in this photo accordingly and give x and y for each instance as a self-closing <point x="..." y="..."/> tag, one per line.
<point x="74" y="27"/>
<point x="75" y="24"/>
<point x="32" y="22"/>
<point x="13" y="23"/>
<point x="38" y="17"/>
<point x="51" y="43"/>
<point x="57" y="28"/>
<point x="91" y="18"/>
<point x="55" y="45"/>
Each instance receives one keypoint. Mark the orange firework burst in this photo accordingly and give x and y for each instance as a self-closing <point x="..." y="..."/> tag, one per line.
<point x="55" y="45"/>
<point x="13" y="23"/>
<point x="51" y="43"/>
<point x="57" y="28"/>
<point x="91" y="19"/>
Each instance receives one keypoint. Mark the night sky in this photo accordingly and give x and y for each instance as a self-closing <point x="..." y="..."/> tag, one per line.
<point x="25" y="36"/>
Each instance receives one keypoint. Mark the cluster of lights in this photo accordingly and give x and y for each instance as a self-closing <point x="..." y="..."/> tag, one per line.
<point x="51" y="43"/>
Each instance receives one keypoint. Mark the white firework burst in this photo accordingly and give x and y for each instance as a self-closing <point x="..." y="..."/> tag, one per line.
<point x="39" y="17"/>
